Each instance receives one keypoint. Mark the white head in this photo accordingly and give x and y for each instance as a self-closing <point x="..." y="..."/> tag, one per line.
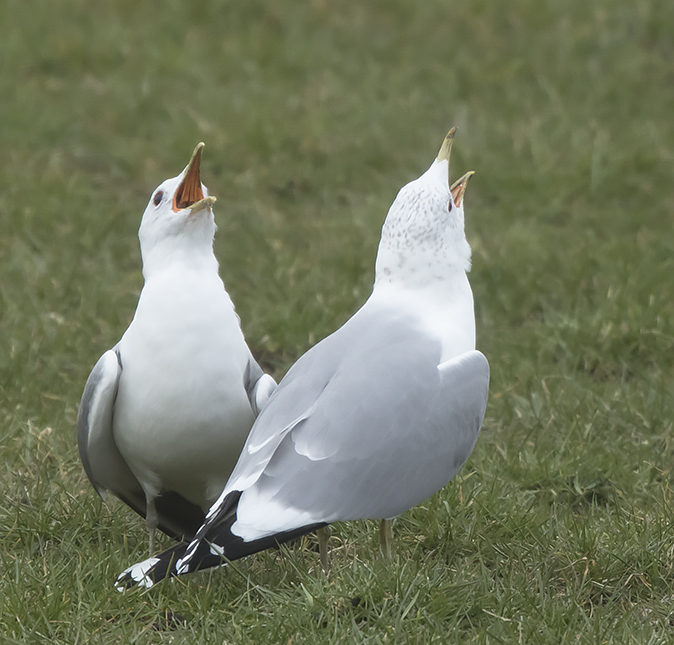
<point x="178" y="223"/>
<point x="423" y="237"/>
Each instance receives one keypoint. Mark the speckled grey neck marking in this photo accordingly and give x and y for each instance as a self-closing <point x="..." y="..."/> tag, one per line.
<point x="423" y="240"/>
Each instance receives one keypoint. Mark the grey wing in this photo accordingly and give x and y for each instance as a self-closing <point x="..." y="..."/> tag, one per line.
<point x="100" y="456"/>
<point x="288" y="404"/>
<point x="259" y="386"/>
<point x="378" y="441"/>
<point x="104" y="464"/>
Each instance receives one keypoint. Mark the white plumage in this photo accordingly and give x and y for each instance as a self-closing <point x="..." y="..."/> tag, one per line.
<point x="165" y="413"/>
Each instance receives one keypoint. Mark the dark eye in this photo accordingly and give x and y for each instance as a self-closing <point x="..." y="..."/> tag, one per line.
<point x="156" y="200"/>
<point x="450" y="206"/>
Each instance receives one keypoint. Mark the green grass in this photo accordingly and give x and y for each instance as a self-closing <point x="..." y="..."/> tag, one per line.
<point x="560" y="528"/>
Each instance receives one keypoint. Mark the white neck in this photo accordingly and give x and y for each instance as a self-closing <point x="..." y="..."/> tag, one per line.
<point x="192" y="252"/>
<point x="444" y="308"/>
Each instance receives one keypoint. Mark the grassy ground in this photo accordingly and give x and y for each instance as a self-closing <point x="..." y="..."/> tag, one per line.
<point x="560" y="527"/>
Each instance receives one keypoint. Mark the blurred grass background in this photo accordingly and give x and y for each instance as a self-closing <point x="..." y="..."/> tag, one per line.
<point x="559" y="528"/>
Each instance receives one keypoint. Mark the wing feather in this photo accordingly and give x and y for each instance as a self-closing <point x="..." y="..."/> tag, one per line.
<point x="385" y="429"/>
<point x="259" y="386"/>
<point x="106" y="468"/>
<point x="100" y="456"/>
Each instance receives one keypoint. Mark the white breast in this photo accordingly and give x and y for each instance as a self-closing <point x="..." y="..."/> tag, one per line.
<point x="182" y="413"/>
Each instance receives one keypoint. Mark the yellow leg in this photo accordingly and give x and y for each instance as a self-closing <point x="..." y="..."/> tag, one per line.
<point x="323" y="537"/>
<point x="386" y="537"/>
<point x="152" y="521"/>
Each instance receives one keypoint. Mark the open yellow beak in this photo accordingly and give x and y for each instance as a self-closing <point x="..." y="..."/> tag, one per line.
<point x="446" y="150"/>
<point x="459" y="187"/>
<point x="189" y="193"/>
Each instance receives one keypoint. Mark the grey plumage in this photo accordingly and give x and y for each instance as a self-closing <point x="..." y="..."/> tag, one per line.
<point x="349" y="410"/>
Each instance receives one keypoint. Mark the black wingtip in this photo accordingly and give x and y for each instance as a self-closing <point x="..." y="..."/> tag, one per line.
<point x="216" y="543"/>
<point x="148" y="572"/>
<point x="213" y="546"/>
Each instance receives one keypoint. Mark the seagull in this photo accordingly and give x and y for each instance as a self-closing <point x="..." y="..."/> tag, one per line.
<point x="165" y="413"/>
<point x="376" y="417"/>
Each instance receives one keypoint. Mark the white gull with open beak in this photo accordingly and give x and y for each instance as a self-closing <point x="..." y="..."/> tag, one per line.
<point x="165" y="412"/>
